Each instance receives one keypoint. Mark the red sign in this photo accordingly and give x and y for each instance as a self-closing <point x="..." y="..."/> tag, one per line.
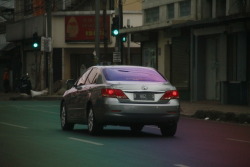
<point x="82" y="28"/>
<point x="38" y="7"/>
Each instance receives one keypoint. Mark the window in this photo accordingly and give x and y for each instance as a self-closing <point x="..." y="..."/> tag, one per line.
<point x="170" y="11"/>
<point x="152" y="15"/>
<point x="185" y="8"/>
<point x="99" y="79"/>
<point x="28" y="7"/>
<point x="149" y="54"/>
<point x="221" y="8"/>
<point x="132" y="74"/>
<point x="92" y="76"/>
<point x="82" y="80"/>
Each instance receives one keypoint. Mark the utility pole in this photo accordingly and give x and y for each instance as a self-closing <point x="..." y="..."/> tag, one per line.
<point x="120" y="44"/>
<point x="128" y="42"/>
<point x="49" y="55"/>
<point x="97" y="28"/>
<point x="105" y="38"/>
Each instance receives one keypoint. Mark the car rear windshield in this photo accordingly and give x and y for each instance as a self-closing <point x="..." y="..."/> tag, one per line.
<point x="133" y="74"/>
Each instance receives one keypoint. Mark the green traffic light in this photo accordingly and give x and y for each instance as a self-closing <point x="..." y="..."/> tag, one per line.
<point x="124" y="39"/>
<point x="115" y="32"/>
<point x="35" y="45"/>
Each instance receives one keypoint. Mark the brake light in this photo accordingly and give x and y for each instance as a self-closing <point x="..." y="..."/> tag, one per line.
<point x="114" y="93"/>
<point x="171" y="94"/>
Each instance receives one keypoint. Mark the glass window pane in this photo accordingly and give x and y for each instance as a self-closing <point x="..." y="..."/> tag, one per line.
<point x="152" y="15"/>
<point x="82" y="80"/>
<point x="185" y="8"/>
<point x="92" y="76"/>
<point x="170" y="13"/>
<point x="133" y="74"/>
<point x="149" y="57"/>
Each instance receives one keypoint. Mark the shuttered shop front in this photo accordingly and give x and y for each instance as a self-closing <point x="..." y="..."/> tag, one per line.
<point x="180" y="62"/>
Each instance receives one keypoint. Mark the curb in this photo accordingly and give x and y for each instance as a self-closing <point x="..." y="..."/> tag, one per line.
<point x="44" y="98"/>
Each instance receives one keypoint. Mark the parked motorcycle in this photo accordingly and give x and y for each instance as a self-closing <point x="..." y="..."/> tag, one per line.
<point x="24" y="84"/>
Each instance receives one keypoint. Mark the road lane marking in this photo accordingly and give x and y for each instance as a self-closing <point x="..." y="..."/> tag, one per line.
<point x="33" y="108"/>
<point x="13" y="125"/>
<point x="180" y="165"/>
<point x="152" y="127"/>
<point x="242" y="141"/>
<point x="86" y="141"/>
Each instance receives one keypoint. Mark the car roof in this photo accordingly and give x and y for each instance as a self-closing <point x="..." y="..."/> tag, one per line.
<point x="121" y="66"/>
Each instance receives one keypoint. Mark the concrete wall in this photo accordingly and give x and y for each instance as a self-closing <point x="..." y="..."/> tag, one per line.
<point x="132" y="5"/>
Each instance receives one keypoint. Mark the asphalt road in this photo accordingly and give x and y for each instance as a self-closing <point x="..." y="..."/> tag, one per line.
<point x="30" y="136"/>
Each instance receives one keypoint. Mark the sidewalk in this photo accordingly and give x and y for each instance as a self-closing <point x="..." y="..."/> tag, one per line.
<point x="18" y="96"/>
<point x="188" y="108"/>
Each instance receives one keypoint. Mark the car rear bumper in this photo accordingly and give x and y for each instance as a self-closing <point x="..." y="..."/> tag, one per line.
<point x="146" y="119"/>
<point x="114" y="112"/>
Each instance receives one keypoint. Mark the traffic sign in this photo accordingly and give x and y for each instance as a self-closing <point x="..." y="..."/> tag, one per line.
<point x="117" y="57"/>
<point x="46" y="44"/>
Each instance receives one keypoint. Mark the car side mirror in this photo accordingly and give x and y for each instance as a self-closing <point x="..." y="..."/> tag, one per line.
<point x="70" y="83"/>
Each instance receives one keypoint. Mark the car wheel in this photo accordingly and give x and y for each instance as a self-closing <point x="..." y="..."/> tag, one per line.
<point x="168" y="130"/>
<point x="64" y="123"/>
<point x="93" y="127"/>
<point x="136" y="128"/>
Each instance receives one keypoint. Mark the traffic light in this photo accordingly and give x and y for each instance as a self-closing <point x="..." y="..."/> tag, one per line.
<point x="35" y="43"/>
<point x="115" y="26"/>
<point x="124" y="37"/>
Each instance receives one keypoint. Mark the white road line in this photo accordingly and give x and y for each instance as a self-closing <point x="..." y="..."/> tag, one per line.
<point x="32" y="109"/>
<point x="180" y="165"/>
<point x="242" y="141"/>
<point x="86" y="141"/>
<point x="153" y="127"/>
<point x="13" y="125"/>
<point x="49" y="112"/>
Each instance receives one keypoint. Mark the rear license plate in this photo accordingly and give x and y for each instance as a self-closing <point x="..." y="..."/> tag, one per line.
<point x="144" y="96"/>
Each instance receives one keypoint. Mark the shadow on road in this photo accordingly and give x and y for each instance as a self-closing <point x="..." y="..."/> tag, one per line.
<point x="119" y="133"/>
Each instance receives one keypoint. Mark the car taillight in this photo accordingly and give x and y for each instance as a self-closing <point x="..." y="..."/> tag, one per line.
<point x="115" y="93"/>
<point x="171" y="94"/>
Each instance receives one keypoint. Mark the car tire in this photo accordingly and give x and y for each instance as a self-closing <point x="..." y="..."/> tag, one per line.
<point x="93" y="127"/>
<point x="64" y="122"/>
<point x="136" y="128"/>
<point x="168" y="130"/>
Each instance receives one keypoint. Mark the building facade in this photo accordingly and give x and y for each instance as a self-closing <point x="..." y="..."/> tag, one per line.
<point x="199" y="45"/>
<point x="72" y="37"/>
<point x="7" y="54"/>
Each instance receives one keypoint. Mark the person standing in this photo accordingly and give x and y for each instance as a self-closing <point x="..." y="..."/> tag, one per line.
<point x="6" y="80"/>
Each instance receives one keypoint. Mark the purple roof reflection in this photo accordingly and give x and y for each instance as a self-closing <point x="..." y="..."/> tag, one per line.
<point x="133" y="74"/>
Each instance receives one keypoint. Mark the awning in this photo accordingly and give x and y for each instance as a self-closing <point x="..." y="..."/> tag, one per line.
<point x="7" y="47"/>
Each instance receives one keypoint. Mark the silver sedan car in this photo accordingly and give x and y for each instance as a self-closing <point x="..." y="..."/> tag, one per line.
<point x="131" y="96"/>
